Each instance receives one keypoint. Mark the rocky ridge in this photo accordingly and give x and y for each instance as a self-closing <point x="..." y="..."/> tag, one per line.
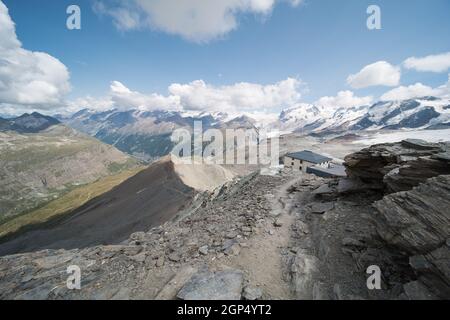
<point x="155" y="264"/>
<point x="279" y="236"/>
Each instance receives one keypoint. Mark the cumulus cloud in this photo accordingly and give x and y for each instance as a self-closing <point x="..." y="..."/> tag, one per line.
<point x="194" y="20"/>
<point x="198" y="95"/>
<point x="433" y="63"/>
<point x="28" y="79"/>
<point x="408" y="92"/>
<point x="416" y="91"/>
<point x="380" y="73"/>
<point x="346" y="99"/>
<point x="89" y="102"/>
<point x="124" y="98"/>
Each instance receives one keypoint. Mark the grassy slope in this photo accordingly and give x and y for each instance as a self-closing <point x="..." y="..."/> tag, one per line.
<point x="67" y="202"/>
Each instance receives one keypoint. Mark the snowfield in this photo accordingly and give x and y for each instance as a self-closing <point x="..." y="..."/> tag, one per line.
<point x="390" y="137"/>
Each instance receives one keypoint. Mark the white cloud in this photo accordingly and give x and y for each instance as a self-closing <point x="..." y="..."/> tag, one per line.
<point x="124" y="98"/>
<point x="89" y="102"/>
<point x="408" y="92"/>
<point x="198" y="95"/>
<point x="124" y="18"/>
<point x="194" y="20"/>
<point x="380" y="73"/>
<point x="416" y="91"/>
<point x="432" y="63"/>
<point x="28" y="79"/>
<point x="344" y="99"/>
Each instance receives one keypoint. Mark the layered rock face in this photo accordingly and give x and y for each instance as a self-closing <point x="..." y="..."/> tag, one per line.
<point x="418" y="223"/>
<point x="414" y="217"/>
<point x="401" y="166"/>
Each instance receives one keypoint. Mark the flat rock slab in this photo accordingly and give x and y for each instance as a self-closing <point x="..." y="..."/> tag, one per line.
<point x="176" y="283"/>
<point x="323" y="189"/>
<point x="222" y="285"/>
<point x="419" y="144"/>
<point x="445" y="156"/>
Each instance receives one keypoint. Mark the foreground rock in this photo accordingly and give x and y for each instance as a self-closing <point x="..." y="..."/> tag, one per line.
<point x="394" y="167"/>
<point x="417" y="222"/>
<point x="223" y="285"/>
<point x="157" y="263"/>
<point x="393" y="212"/>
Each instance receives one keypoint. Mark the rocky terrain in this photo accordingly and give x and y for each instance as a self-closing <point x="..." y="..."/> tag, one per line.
<point x="147" y="199"/>
<point x="279" y="236"/>
<point x="399" y="166"/>
<point x="413" y="217"/>
<point x="41" y="159"/>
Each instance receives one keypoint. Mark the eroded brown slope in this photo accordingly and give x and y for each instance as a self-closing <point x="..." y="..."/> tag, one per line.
<point x="150" y="198"/>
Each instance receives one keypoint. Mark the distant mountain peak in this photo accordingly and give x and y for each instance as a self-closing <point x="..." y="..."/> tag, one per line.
<point x="416" y="113"/>
<point x="28" y="123"/>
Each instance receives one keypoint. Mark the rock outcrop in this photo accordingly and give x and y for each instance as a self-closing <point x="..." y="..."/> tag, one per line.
<point x="417" y="222"/>
<point x="413" y="217"/>
<point x="395" y="167"/>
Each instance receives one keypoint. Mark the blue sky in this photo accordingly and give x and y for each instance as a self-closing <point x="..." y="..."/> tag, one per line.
<point x="320" y="42"/>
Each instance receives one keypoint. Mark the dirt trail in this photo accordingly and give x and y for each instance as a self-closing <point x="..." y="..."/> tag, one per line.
<point x="261" y="256"/>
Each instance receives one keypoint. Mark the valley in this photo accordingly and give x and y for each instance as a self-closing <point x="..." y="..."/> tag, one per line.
<point x="41" y="159"/>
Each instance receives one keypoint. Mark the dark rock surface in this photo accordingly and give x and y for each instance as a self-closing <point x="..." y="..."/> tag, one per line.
<point x="399" y="166"/>
<point x="413" y="218"/>
<point x="417" y="222"/>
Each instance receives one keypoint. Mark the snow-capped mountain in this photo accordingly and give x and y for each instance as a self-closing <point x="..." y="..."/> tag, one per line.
<point x="146" y="134"/>
<point x="421" y="113"/>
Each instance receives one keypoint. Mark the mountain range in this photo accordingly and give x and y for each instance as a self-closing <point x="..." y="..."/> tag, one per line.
<point x="44" y="157"/>
<point x="146" y="135"/>
<point x="156" y="227"/>
<point x="420" y="113"/>
<point x="28" y="123"/>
